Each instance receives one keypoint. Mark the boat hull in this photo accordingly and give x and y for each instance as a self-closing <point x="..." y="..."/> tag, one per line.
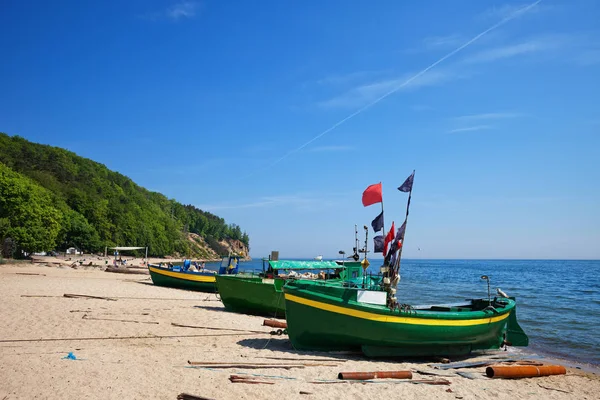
<point x="331" y="321"/>
<point x="251" y="295"/>
<point x="200" y="282"/>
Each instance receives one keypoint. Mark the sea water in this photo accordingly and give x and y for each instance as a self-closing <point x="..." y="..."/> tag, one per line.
<point x="558" y="302"/>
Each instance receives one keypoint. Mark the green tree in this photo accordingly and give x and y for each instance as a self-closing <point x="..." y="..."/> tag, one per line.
<point x="27" y="211"/>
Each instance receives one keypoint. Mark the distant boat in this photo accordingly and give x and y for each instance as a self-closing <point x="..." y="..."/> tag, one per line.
<point x="179" y="276"/>
<point x="319" y="258"/>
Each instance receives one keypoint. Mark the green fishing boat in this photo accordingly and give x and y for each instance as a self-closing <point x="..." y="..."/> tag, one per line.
<point x="187" y="276"/>
<point x="261" y="294"/>
<point x="369" y="317"/>
<point x="327" y="317"/>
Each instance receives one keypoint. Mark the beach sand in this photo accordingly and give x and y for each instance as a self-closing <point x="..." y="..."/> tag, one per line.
<point x="157" y="368"/>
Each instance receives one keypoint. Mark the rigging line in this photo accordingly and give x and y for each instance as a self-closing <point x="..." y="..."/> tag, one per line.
<point x="515" y="14"/>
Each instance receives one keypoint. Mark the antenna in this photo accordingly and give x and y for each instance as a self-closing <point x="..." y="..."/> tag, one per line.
<point x="487" y="278"/>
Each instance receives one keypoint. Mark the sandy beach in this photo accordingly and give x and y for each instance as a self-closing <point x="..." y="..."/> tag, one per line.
<point x="127" y="347"/>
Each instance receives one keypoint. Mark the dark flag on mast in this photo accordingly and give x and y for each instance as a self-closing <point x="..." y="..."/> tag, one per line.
<point x="400" y="233"/>
<point x="377" y="223"/>
<point x="378" y="241"/>
<point x="408" y="183"/>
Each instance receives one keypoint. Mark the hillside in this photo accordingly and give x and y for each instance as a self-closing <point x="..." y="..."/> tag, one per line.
<point x="53" y="199"/>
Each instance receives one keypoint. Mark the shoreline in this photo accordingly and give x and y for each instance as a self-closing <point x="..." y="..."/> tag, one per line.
<point x="127" y="343"/>
<point x="101" y="263"/>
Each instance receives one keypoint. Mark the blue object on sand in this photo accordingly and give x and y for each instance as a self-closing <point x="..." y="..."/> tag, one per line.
<point x="70" y="356"/>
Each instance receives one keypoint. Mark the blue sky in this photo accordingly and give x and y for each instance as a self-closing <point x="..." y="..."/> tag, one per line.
<point x="230" y="106"/>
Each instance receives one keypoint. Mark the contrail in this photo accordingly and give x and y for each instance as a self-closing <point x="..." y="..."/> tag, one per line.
<point x="409" y="80"/>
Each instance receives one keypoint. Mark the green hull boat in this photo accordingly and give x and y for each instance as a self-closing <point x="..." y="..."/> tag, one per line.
<point x="185" y="276"/>
<point x="327" y="318"/>
<point x="200" y="282"/>
<point x="262" y="294"/>
<point x="254" y="295"/>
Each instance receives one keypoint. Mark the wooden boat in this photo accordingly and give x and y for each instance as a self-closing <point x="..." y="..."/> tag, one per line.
<point x="327" y="317"/>
<point x="180" y="277"/>
<point x="261" y="294"/>
<point x="369" y="317"/>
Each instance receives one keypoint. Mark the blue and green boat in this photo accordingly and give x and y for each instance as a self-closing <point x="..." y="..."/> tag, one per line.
<point x="181" y="277"/>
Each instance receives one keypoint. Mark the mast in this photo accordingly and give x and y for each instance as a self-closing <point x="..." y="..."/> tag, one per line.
<point x="397" y="266"/>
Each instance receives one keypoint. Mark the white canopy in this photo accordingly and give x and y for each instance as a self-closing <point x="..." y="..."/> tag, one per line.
<point x="126" y="248"/>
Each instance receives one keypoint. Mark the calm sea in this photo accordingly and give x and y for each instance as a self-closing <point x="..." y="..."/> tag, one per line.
<point x="558" y="302"/>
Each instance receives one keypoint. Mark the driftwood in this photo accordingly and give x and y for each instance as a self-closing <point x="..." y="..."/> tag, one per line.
<point x="248" y="379"/>
<point x="119" y="320"/>
<point x="549" y="388"/>
<point x="303" y="359"/>
<point x="275" y="324"/>
<point x="126" y="271"/>
<point x="28" y="273"/>
<point x="248" y="365"/>
<point x="186" y="396"/>
<point x="106" y="298"/>
<point x="433" y="373"/>
<point x="363" y="376"/>
<point x="440" y="381"/>
<point x="217" y="329"/>
<point x="85" y="296"/>
<point x="469" y="375"/>
<point x="121" y="338"/>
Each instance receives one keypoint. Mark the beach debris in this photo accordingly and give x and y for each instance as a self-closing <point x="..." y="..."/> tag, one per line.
<point x="440" y="381"/>
<point x="523" y="371"/>
<point x="471" y="364"/>
<point x="303" y="392"/>
<point x="303" y="359"/>
<point x="275" y="324"/>
<point x="248" y="379"/>
<point x="217" y="328"/>
<point x="469" y="375"/>
<point x="187" y="396"/>
<point x="434" y="373"/>
<point x="121" y="337"/>
<point x="549" y="388"/>
<point x="362" y="376"/>
<point x="28" y="273"/>
<point x="69" y="356"/>
<point x="119" y="320"/>
<point x="85" y="296"/>
<point x="118" y="270"/>
<point x="247" y="365"/>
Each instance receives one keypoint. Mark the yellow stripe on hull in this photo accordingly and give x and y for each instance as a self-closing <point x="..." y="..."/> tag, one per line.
<point x="393" y="319"/>
<point x="184" y="276"/>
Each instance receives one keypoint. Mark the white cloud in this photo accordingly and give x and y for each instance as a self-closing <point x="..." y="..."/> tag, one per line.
<point x="364" y="94"/>
<point x="181" y="10"/>
<point x="506" y="10"/>
<point x="471" y="129"/>
<point x="565" y="46"/>
<point x="184" y="9"/>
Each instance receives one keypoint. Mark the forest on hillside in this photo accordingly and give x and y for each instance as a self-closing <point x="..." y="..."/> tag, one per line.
<point x="53" y="199"/>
